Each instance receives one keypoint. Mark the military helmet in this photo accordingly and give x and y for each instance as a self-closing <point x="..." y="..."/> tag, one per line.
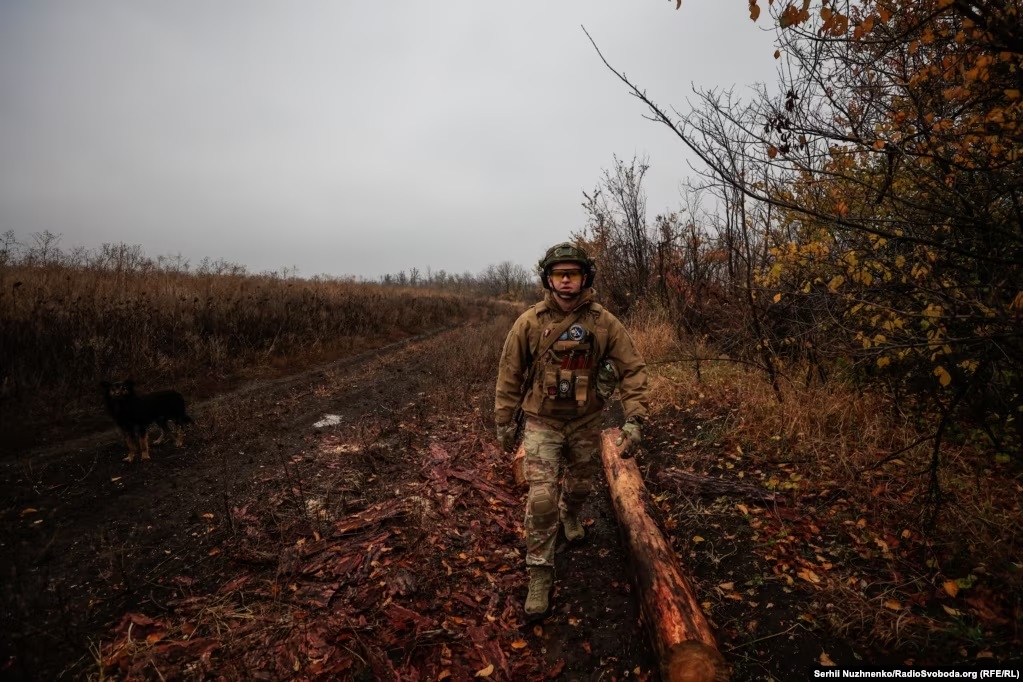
<point x="566" y="252"/>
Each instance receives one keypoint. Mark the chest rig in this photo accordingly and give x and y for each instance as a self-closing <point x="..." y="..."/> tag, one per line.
<point x="567" y="368"/>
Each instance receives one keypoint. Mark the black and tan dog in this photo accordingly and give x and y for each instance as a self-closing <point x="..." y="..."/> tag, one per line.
<point x="135" y="413"/>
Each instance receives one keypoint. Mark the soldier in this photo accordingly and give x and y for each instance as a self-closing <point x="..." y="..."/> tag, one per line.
<point x="562" y="360"/>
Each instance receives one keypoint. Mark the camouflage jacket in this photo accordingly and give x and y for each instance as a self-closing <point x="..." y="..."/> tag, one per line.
<point x="563" y="386"/>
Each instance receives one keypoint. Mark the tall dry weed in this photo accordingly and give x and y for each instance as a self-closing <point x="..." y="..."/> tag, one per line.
<point x="653" y="333"/>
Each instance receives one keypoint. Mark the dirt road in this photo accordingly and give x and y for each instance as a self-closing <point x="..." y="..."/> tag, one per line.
<point x="122" y="567"/>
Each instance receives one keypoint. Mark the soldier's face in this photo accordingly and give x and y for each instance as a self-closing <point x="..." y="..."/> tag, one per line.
<point x="566" y="279"/>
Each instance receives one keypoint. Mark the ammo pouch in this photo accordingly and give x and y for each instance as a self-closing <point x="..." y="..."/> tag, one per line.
<point x="566" y="375"/>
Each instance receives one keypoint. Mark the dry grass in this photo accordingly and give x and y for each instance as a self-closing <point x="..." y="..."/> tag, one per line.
<point x="654" y="334"/>
<point x="67" y="328"/>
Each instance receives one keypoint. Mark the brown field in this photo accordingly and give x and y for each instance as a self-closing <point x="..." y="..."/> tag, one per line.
<point x="65" y="329"/>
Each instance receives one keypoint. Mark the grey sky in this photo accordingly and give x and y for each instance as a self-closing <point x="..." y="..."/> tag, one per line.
<point x="344" y="137"/>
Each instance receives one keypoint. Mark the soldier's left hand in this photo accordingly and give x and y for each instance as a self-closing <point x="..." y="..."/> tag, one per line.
<point x="631" y="437"/>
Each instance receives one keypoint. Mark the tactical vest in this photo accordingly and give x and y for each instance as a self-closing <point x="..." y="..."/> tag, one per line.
<point x="565" y="377"/>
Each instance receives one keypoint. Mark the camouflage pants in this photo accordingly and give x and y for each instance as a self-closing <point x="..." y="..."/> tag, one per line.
<point x="560" y="466"/>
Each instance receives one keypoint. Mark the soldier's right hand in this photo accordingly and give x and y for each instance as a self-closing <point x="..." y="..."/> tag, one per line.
<point x="506" y="435"/>
<point x="631" y="437"/>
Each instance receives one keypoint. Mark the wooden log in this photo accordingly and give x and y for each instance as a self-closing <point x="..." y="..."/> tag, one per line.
<point x="519" y="467"/>
<point x="682" y="638"/>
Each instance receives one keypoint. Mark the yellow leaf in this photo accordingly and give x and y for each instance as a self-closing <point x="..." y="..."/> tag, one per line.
<point x="777" y="297"/>
<point x="697" y="538"/>
<point x="743" y="508"/>
<point x="951" y="588"/>
<point x="943" y="376"/>
<point x="883" y="362"/>
<point x="519" y="644"/>
<point x="893" y="605"/>
<point x="485" y="672"/>
<point x="835" y="282"/>
<point x="1012" y="94"/>
<point x="825" y="660"/>
<point x="727" y="586"/>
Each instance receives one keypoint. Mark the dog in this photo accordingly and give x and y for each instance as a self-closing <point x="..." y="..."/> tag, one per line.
<point x="135" y="413"/>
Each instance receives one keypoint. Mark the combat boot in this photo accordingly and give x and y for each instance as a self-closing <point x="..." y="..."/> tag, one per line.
<point x="541" y="579"/>
<point x="574" y="530"/>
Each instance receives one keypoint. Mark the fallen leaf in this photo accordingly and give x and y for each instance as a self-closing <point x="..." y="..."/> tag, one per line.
<point x="538" y="630"/>
<point x="519" y="644"/>
<point x="950" y="611"/>
<point x="727" y="586"/>
<point x="893" y="605"/>
<point x="951" y="588"/>
<point x="28" y="510"/>
<point x="826" y="660"/>
<point x="207" y="515"/>
<point x="697" y="538"/>
<point x="485" y="672"/>
<point x="444" y="674"/>
<point x="556" y="670"/>
<point x="809" y="576"/>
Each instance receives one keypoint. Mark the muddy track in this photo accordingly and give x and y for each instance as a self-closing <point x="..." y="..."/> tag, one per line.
<point x="87" y="537"/>
<point x="70" y="447"/>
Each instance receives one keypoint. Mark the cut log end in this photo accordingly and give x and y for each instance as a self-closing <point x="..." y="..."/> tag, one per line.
<point x="519" y="467"/>
<point x="693" y="661"/>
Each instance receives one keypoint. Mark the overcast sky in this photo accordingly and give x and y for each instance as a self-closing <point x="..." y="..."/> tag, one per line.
<point x="345" y="137"/>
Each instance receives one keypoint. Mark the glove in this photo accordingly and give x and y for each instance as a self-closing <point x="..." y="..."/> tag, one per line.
<point x="631" y="436"/>
<point x="506" y="435"/>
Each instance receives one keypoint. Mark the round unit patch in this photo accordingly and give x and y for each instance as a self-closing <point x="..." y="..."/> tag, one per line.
<point x="576" y="332"/>
<point x="563" y="386"/>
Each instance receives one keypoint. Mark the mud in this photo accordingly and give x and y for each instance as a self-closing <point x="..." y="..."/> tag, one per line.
<point x="88" y="538"/>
